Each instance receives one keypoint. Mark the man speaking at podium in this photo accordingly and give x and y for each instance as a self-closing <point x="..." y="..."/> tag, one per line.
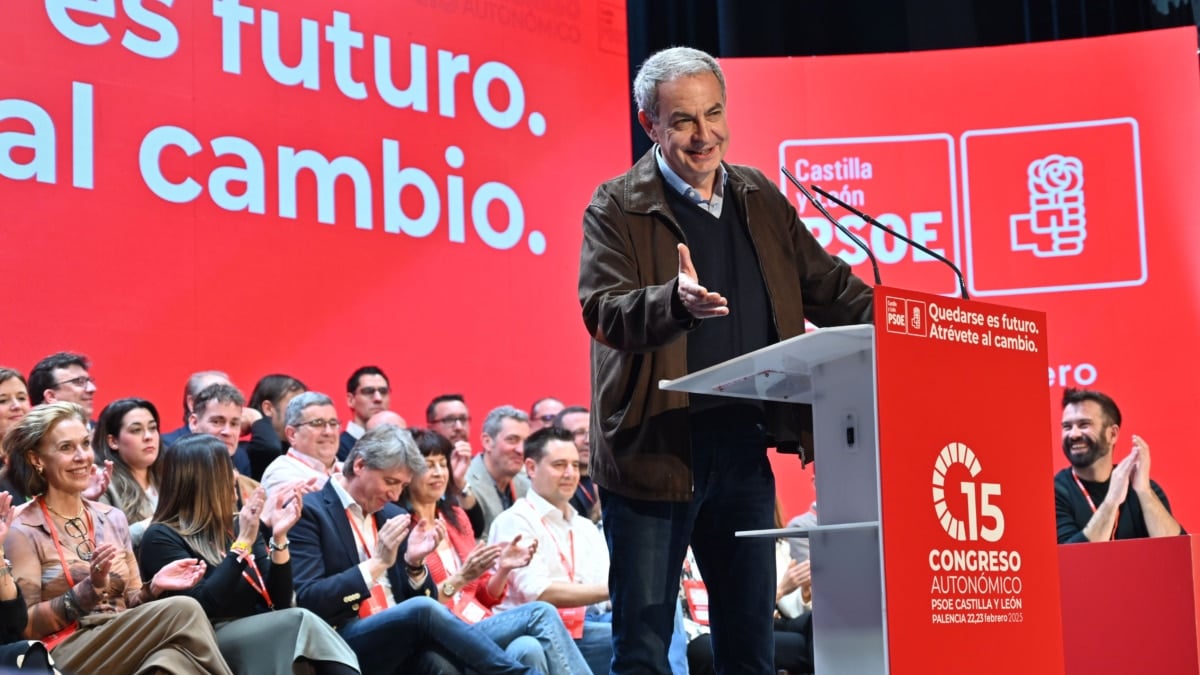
<point x="686" y="262"/>
<point x="1094" y="500"/>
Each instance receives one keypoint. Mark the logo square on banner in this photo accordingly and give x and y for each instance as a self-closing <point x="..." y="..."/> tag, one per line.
<point x="1055" y="207"/>
<point x="909" y="183"/>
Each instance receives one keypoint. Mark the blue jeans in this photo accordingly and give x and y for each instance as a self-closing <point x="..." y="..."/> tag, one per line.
<point x="539" y="623"/>
<point x="647" y="540"/>
<point x="596" y="645"/>
<point x="385" y="641"/>
<point x="677" y="652"/>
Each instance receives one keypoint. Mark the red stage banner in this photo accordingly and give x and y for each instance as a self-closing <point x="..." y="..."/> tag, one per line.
<point x="1052" y="173"/>
<point x="970" y="563"/>
<point x="306" y="187"/>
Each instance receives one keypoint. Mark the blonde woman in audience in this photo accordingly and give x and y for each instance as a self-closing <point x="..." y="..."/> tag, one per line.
<point x="127" y="434"/>
<point x="74" y="563"/>
<point x="247" y="588"/>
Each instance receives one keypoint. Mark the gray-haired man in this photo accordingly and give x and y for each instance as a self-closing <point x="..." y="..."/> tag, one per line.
<point x="497" y="475"/>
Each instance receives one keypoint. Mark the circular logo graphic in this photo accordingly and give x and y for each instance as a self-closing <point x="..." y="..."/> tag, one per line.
<point x="953" y="453"/>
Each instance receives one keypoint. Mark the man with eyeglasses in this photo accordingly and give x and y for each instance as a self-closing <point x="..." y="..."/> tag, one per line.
<point x="63" y="377"/>
<point x="497" y="476"/>
<point x="577" y="420"/>
<point x="543" y="412"/>
<point x="367" y="392"/>
<point x="311" y="427"/>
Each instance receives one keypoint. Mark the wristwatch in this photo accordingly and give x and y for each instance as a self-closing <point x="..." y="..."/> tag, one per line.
<point x="448" y="588"/>
<point x="278" y="547"/>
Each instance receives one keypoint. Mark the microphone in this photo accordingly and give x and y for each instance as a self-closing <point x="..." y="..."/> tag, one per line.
<point x="962" y="282"/>
<point x="845" y="230"/>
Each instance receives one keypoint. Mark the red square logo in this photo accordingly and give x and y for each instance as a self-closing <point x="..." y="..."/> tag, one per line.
<point x="875" y="174"/>
<point x="1053" y="208"/>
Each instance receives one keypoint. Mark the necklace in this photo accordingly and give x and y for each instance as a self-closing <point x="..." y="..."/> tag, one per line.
<point x="76" y="517"/>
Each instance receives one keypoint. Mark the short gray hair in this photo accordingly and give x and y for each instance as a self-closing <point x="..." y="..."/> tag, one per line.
<point x="387" y="447"/>
<point x="295" y="409"/>
<point x="667" y="65"/>
<point x="491" y="425"/>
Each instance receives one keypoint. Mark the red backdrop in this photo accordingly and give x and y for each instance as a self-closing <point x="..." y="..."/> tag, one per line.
<point x="440" y="243"/>
<point x="962" y="149"/>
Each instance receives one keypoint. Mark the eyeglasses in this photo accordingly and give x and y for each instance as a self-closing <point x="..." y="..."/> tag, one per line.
<point x="371" y="391"/>
<point x="318" y="425"/>
<point x="81" y="381"/>
<point x="74" y="527"/>
<point x="452" y="420"/>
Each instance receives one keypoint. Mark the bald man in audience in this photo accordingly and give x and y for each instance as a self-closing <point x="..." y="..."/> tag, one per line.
<point x="543" y="412"/>
<point x="195" y="383"/>
<point x="386" y="417"/>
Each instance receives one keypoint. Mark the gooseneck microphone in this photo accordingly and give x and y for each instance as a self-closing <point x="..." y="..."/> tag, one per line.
<point x="845" y="230"/>
<point x="962" y="282"/>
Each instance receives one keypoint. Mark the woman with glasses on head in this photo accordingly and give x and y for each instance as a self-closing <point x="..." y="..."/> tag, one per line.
<point x="127" y="435"/>
<point x="472" y="579"/>
<point x="247" y="589"/>
<point x="74" y="563"/>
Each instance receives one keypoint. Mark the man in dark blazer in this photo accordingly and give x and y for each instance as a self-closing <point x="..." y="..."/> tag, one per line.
<point x="359" y="563"/>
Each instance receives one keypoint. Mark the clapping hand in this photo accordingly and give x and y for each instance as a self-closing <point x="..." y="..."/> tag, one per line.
<point x="179" y="575"/>
<point x="422" y="541"/>
<point x="514" y="556"/>
<point x="101" y="563"/>
<point x="287" y="506"/>
<point x="479" y="561"/>
<point x="98" y="481"/>
<point x="248" y="517"/>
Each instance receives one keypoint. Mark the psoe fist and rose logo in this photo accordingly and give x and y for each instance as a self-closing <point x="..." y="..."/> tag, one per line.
<point x="972" y="582"/>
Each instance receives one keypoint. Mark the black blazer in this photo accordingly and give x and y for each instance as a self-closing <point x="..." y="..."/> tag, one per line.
<point x="325" y="560"/>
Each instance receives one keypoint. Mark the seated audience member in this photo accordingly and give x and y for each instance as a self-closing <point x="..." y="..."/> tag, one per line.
<point x="386" y="417"/>
<point x="496" y="477"/>
<point x="247" y="588"/>
<point x="570" y="567"/>
<point x="195" y="384"/>
<point x="542" y="413"/>
<point x="359" y="563"/>
<point x="14" y="404"/>
<point x="577" y="421"/>
<point x="76" y="568"/>
<point x="16" y="653"/>
<point x="311" y="429"/>
<point x="127" y="436"/>
<point x="218" y="412"/>
<point x="1093" y="500"/>
<point x="448" y="415"/>
<point x="14" y="398"/>
<point x="63" y="377"/>
<point x="472" y="577"/>
<point x="270" y="398"/>
<point x="793" y="616"/>
<point x="367" y="392"/>
<point x="808" y="519"/>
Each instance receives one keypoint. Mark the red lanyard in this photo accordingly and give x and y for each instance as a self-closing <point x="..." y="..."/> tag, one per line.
<point x="57" y="545"/>
<point x="1112" y="535"/>
<point x="361" y="539"/>
<point x="569" y="566"/>
<point x="260" y="585"/>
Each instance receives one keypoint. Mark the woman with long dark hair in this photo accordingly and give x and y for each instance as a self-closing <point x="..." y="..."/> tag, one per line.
<point x="127" y="435"/>
<point x="247" y="589"/>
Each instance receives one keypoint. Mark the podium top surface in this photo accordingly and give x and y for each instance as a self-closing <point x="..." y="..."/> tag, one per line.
<point x="778" y="372"/>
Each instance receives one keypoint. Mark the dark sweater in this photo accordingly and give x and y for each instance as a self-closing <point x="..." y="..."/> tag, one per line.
<point x="1073" y="511"/>
<point x="222" y="592"/>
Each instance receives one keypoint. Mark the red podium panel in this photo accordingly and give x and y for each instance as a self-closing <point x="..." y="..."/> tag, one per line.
<point x="970" y="563"/>
<point x="1130" y="606"/>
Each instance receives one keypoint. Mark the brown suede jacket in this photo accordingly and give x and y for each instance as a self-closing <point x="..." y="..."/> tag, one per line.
<point x="640" y="442"/>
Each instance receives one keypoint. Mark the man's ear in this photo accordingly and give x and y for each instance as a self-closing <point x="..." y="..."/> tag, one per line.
<point x="350" y="399"/>
<point x="647" y="124"/>
<point x="49" y="396"/>
<point x="193" y="421"/>
<point x="530" y="467"/>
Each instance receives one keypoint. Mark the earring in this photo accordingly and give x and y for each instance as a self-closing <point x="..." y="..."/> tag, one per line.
<point x="40" y="469"/>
